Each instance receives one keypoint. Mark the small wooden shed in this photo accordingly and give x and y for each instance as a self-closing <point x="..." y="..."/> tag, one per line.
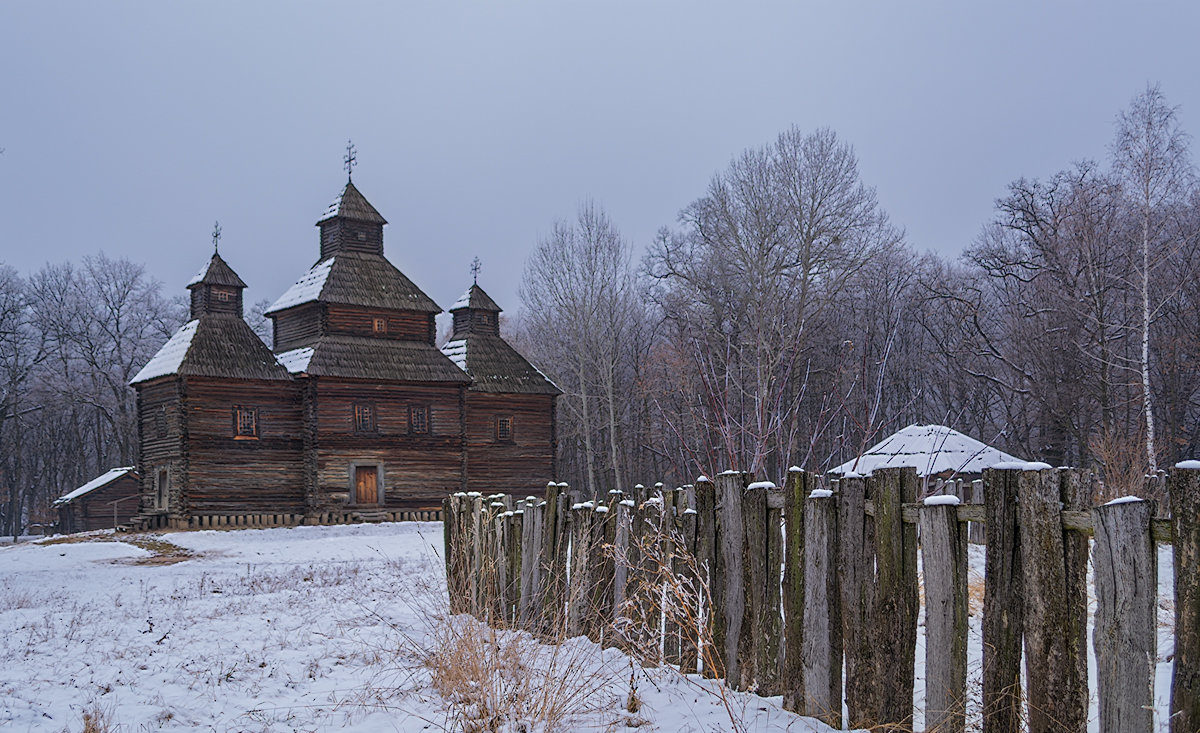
<point x="105" y="502"/>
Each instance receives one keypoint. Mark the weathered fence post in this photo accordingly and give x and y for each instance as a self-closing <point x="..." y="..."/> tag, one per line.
<point x="795" y="491"/>
<point x="1183" y="484"/>
<point x="600" y="608"/>
<point x="760" y="664"/>
<point x="514" y="524"/>
<point x="1055" y="601"/>
<point x="1003" y="609"/>
<point x="1126" y="579"/>
<point x="711" y="634"/>
<point x="731" y="533"/>
<point x="476" y="569"/>
<point x="533" y="534"/>
<point x="856" y="556"/>
<point x="554" y="558"/>
<point x="822" y="611"/>
<point x="579" y="588"/>
<point x="896" y="601"/>
<point x="691" y="620"/>
<point x="944" y="560"/>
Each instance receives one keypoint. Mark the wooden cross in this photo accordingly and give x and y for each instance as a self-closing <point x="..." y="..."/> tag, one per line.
<point x="216" y="235"/>
<point x="476" y="266"/>
<point x="350" y="160"/>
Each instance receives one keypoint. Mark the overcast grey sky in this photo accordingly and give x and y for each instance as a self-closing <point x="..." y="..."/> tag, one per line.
<point x="130" y="127"/>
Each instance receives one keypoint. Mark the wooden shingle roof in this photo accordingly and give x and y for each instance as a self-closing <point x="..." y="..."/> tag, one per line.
<point x="497" y="367"/>
<point x="216" y="272"/>
<point x="357" y="278"/>
<point x="358" y="357"/>
<point x="351" y="204"/>
<point x="475" y="299"/>
<point x="217" y="345"/>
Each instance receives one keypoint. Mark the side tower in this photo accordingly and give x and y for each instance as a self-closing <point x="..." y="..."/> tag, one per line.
<point x="383" y="408"/>
<point x="510" y="405"/>
<point x="217" y="414"/>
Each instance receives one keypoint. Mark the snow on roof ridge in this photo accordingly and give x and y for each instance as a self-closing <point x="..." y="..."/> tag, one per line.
<point x="169" y="358"/>
<point x="307" y="289"/>
<point x="463" y="301"/>
<point x="100" y="481"/>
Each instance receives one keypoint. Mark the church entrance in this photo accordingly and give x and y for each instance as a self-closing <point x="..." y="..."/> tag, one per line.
<point x="366" y="484"/>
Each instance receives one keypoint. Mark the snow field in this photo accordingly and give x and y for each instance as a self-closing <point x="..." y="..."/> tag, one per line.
<point x="305" y="628"/>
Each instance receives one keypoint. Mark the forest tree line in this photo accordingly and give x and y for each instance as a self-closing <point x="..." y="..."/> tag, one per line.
<point x="785" y="320"/>
<point x="782" y="320"/>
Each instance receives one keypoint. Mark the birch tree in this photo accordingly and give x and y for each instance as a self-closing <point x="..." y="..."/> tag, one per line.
<point x="1151" y="155"/>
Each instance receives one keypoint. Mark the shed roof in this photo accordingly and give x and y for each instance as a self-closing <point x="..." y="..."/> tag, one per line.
<point x="356" y="278"/>
<point x="217" y="345"/>
<point x="495" y="366"/>
<point x="351" y="204"/>
<point x="361" y="357"/>
<point x="931" y="449"/>
<point x="97" y="483"/>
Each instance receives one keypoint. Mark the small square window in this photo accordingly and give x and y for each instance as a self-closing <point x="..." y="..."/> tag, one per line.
<point x="418" y="419"/>
<point x="364" y="418"/>
<point x="380" y="325"/>
<point x="245" y="422"/>
<point x="504" y="429"/>
<point x="223" y="295"/>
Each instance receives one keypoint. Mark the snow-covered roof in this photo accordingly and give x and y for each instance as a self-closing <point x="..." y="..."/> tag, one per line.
<point x="457" y="352"/>
<point x="306" y="289"/>
<point x="170" y="356"/>
<point x="97" y="483"/>
<point x="296" y="360"/>
<point x="931" y="449"/>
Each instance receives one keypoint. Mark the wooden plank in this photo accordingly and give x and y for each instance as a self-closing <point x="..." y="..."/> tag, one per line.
<point x="1183" y="486"/>
<point x="856" y="556"/>
<point x="1003" y="610"/>
<point x="760" y="665"/>
<point x="731" y="536"/>
<point x="771" y="668"/>
<point x="708" y="558"/>
<point x="1126" y="577"/>
<point x="795" y="490"/>
<point x="896" y="599"/>
<point x="600" y="617"/>
<point x="1056" y="688"/>
<point x="822" y="641"/>
<point x="944" y="560"/>
<point x="690" y="618"/>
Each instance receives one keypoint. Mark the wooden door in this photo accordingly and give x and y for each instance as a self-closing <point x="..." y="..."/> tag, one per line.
<point x="366" y="486"/>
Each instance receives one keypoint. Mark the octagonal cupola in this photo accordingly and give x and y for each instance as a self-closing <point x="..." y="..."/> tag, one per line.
<point x="351" y="224"/>
<point x="216" y="289"/>
<point x="475" y="312"/>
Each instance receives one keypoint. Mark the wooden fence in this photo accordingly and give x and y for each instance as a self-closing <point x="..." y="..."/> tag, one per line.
<point x="712" y="578"/>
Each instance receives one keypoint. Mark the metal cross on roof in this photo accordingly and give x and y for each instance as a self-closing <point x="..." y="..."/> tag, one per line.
<point x="476" y="266"/>
<point x="216" y="235"/>
<point x="350" y="160"/>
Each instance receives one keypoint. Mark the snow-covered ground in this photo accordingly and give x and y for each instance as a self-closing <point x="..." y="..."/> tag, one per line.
<point x="306" y="628"/>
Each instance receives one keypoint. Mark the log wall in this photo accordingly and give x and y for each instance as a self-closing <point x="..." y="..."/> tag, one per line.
<point x="520" y="466"/>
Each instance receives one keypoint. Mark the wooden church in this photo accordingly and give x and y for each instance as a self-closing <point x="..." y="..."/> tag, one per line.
<point x="353" y="414"/>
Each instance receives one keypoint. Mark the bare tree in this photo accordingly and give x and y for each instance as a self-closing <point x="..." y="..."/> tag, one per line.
<point x="1151" y="155"/>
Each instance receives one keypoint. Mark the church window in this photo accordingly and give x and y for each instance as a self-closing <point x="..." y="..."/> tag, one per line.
<point x="364" y="417"/>
<point x="160" y="421"/>
<point x="504" y="429"/>
<point x="223" y="295"/>
<point x="245" y="422"/>
<point x="380" y="325"/>
<point x="418" y="419"/>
